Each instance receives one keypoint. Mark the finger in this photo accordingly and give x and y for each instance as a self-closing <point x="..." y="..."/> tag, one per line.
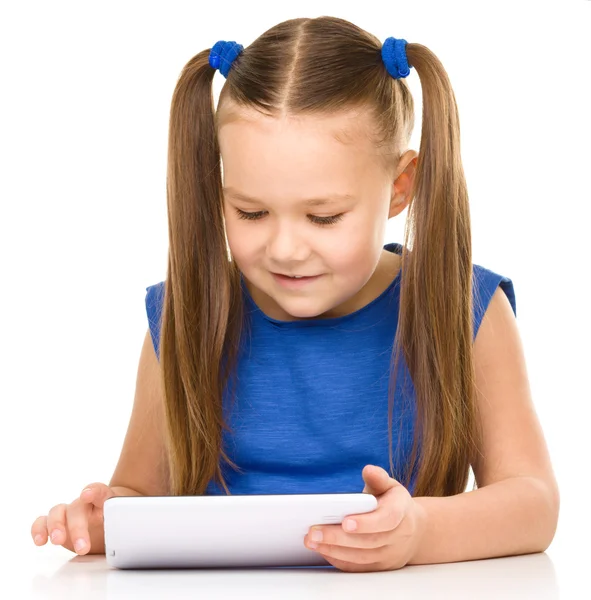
<point x="379" y="480"/>
<point x="387" y="516"/>
<point x="39" y="530"/>
<point x="56" y="524"/>
<point x="77" y="515"/>
<point x="334" y="535"/>
<point x="97" y="494"/>
<point x="354" y="555"/>
<point x="350" y="567"/>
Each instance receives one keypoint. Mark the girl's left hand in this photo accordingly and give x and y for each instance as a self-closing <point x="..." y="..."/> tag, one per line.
<point x="384" y="539"/>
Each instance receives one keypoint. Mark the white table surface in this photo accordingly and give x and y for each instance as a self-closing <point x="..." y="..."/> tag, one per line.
<point x="52" y="572"/>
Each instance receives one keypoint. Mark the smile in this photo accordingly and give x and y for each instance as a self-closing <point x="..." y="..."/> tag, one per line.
<point x="294" y="282"/>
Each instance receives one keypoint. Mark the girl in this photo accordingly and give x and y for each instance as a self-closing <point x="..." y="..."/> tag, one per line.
<point x="289" y="352"/>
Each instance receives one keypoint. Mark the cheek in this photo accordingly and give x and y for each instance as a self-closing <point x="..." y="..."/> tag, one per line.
<point x="360" y="245"/>
<point x="353" y="263"/>
<point x="237" y="248"/>
<point x="234" y="233"/>
<point x="243" y="247"/>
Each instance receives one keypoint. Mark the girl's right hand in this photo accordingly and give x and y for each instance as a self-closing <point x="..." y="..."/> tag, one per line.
<point x="71" y="525"/>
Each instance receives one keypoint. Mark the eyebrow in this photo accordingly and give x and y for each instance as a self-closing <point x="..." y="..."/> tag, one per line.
<point x="228" y="191"/>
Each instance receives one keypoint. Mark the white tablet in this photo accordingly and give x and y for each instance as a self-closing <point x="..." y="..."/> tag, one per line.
<point x="222" y="531"/>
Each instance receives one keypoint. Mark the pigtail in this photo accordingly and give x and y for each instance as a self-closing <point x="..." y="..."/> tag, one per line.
<point x="435" y="329"/>
<point x="202" y="304"/>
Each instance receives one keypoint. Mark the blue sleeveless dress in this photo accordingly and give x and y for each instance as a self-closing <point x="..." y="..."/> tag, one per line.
<point x="311" y="407"/>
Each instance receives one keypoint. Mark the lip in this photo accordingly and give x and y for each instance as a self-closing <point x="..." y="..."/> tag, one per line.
<point x="291" y="283"/>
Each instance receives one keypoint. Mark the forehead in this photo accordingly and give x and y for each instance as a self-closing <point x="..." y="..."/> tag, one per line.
<point x="291" y="155"/>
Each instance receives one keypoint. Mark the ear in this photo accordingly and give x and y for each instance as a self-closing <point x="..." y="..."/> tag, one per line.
<point x="403" y="184"/>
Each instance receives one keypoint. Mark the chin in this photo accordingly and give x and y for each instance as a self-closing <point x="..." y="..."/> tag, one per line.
<point x="302" y="312"/>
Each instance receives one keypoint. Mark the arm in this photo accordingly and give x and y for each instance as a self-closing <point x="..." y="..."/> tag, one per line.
<point x="515" y="508"/>
<point x="506" y="518"/>
<point x="141" y="469"/>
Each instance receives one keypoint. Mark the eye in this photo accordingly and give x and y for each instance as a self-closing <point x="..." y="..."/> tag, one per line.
<point x="255" y="216"/>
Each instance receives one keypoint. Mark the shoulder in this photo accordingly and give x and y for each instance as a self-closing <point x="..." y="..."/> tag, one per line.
<point x="155" y="294"/>
<point x="488" y="287"/>
<point x="494" y="313"/>
<point x="154" y="302"/>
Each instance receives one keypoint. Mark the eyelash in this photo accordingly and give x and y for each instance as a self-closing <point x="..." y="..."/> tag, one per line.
<point x="255" y="216"/>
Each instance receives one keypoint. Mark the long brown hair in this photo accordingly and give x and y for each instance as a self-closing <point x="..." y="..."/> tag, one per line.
<point x="319" y="67"/>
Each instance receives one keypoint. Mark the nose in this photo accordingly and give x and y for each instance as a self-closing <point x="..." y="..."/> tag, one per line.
<point x="286" y="245"/>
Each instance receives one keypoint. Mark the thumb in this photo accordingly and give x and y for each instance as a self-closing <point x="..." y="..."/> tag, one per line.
<point x="97" y="494"/>
<point x="377" y="480"/>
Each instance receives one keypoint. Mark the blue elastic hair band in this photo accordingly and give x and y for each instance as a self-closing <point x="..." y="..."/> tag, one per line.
<point x="223" y="54"/>
<point x="394" y="57"/>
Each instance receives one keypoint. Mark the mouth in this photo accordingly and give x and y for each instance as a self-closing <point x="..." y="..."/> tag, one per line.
<point x="294" y="282"/>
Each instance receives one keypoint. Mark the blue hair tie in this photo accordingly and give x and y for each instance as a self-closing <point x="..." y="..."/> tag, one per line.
<point x="394" y="57"/>
<point x="224" y="53"/>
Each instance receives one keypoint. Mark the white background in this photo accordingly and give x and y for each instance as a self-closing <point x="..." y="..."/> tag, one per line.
<point x="86" y="91"/>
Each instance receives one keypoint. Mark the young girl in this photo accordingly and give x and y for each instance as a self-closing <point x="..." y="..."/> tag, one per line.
<point x="290" y="352"/>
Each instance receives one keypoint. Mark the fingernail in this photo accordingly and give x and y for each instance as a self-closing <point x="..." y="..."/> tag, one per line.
<point x="316" y="535"/>
<point x="38" y="539"/>
<point x="54" y="535"/>
<point x="86" y="490"/>
<point x="80" y="545"/>
<point x="350" y="525"/>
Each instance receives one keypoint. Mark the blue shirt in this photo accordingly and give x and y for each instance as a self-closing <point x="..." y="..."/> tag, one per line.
<point x="311" y="407"/>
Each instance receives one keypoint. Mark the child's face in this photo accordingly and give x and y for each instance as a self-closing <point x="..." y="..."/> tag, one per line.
<point x="281" y="163"/>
